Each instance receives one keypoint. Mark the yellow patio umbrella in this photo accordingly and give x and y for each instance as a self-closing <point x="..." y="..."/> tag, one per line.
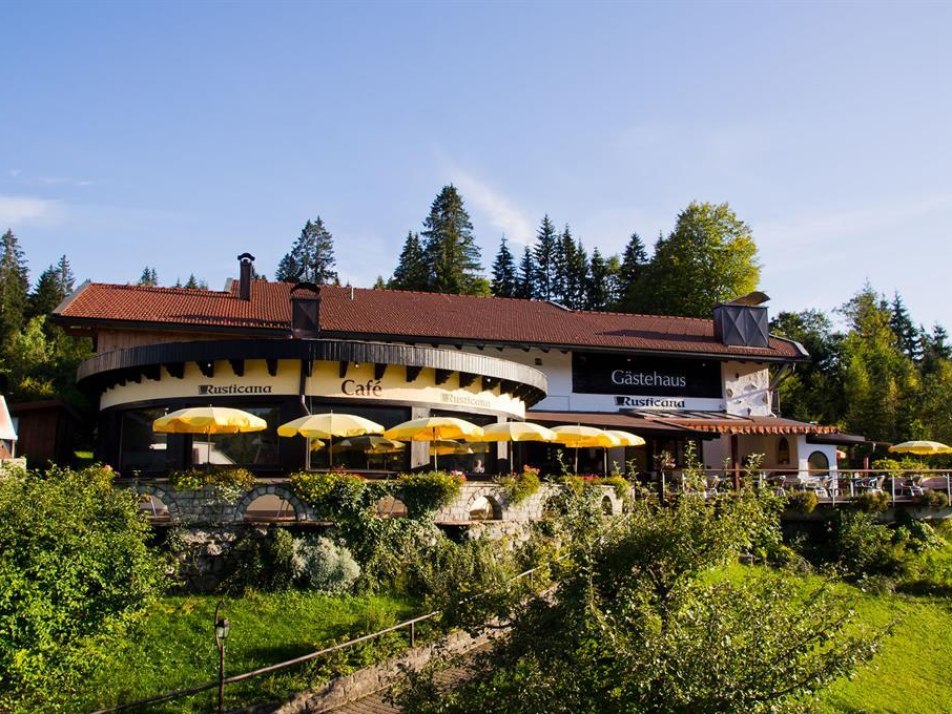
<point x="433" y="429"/>
<point x="208" y="420"/>
<point x="445" y="447"/>
<point x="922" y="448"/>
<point x="327" y="426"/>
<point x="626" y="438"/>
<point x="370" y="445"/>
<point x="579" y="436"/>
<point x="514" y="431"/>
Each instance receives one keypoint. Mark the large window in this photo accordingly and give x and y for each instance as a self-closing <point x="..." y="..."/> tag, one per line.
<point x="256" y="448"/>
<point x="364" y="456"/>
<point x="141" y="450"/>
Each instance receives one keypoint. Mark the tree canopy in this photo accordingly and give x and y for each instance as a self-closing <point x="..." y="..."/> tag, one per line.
<point x="311" y="258"/>
<point x="710" y="257"/>
<point x="450" y="248"/>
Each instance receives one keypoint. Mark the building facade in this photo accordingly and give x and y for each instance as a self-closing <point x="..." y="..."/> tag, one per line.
<point x="282" y="351"/>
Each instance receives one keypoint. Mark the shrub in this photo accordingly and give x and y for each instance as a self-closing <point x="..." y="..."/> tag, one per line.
<point x="802" y="501"/>
<point x="74" y="571"/>
<point x="333" y="495"/>
<point x="915" y="534"/>
<point x="863" y="547"/>
<point x="425" y="493"/>
<point x="872" y="502"/>
<point x="519" y="487"/>
<point x="227" y="484"/>
<point x="933" y="499"/>
<point x="320" y="564"/>
<point x="620" y="484"/>
<point x="261" y="560"/>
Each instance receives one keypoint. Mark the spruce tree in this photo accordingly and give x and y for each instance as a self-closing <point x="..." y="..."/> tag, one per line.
<point x="47" y="293"/>
<point x="525" y="281"/>
<point x="412" y="272"/>
<point x="149" y="277"/>
<point x="504" y="272"/>
<point x="579" y="273"/>
<point x="576" y="285"/>
<point x="14" y="285"/>
<point x="311" y="258"/>
<point x="906" y="333"/>
<point x="598" y="293"/>
<point x="450" y="248"/>
<point x="633" y="262"/>
<point x="545" y="259"/>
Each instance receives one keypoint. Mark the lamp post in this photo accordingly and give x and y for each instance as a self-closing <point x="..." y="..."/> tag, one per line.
<point x="221" y="634"/>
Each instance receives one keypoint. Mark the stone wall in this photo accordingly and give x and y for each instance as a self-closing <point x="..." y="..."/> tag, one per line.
<point x="477" y="503"/>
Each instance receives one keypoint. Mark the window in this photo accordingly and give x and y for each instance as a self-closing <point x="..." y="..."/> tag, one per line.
<point x="783" y="451"/>
<point x="818" y="462"/>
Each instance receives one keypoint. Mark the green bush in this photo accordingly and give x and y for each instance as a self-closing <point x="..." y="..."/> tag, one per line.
<point x="802" y="501"/>
<point x="864" y="547"/>
<point x="426" y="493"/>
<point x="74" y="572"/>
<point x="260" y="561"/>
<point x="872" y="502"/>
<point x="619" y="483"/>
<point x="228" y="484"/>
<point x="519" y="487"/>
<point x="334" y="496"/>
<point x="320" y="564"/>
<point x="933" y="499"/>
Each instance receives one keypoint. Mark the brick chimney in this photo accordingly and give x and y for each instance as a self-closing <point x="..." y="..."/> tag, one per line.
<point x="245" y="261"/>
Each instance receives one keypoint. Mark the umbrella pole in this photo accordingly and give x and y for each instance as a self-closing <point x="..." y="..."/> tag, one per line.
<point x="576" y="459"/>
<point x="208" y="452"/>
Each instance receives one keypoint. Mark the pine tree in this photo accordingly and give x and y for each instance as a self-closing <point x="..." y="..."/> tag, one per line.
<point x="545" y="259"/>
<point x="149" y="277"/>
<point x="450" y="248"/>
<point x="14" y="285"/>
<point x="311" y="258"/>
<point x="597" y="294"/>
<point x="525" y="281"/>
<point x="906" y="333"/>
<point x="504" y="272"/>
<point x="577" y="271"/>
<point x="47" y="293"/>
<point x="380" y="283"/>
<point x="412" y="272"/>
<point x="195" y="284"/>
<point x="573" y="287"/>
<point x="53" y="285"/>
<point x="288" y="270"/>
<point x="634" y="260"/>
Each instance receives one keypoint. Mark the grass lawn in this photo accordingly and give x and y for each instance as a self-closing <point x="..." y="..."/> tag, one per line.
<point x="175" y="647"/>
<point x="910" y="674"/>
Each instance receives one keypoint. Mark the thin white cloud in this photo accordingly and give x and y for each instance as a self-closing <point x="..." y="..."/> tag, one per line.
<point x="29" y="210"/>
<point x="821" y="228"/>
<point x="501" y="213"/>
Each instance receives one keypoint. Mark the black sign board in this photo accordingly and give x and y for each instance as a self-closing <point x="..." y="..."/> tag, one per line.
<point x="594" y="373"/>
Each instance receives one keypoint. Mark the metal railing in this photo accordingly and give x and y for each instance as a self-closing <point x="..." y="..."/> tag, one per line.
<point x="902" y="486"/>
<point x="410" y="625"/>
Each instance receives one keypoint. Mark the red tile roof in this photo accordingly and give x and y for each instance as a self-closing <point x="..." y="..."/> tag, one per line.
<point x="410" y="316"/>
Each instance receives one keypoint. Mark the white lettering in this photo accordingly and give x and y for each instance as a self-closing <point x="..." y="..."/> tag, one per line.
<point x="648" y="379"/>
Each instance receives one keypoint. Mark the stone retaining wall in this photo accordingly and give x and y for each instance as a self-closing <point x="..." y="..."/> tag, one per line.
<point x="476" y="501"/>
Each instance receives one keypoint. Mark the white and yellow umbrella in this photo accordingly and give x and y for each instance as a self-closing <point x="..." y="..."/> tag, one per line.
<point x="582" y="437"/>
<point x="921" y="448"/>
<point x="208" y="420"/>
<point x="433" y="429"/>
<point x="327" y="426"/>
<point x="514" y="431"/>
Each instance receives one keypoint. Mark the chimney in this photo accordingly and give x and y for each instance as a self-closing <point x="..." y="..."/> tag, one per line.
<point x="742" y="322"/>
<point x="245" y="261"/>
<point x="305" y="311"/>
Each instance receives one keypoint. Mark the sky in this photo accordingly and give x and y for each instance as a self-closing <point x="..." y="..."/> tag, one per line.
<point x="178" y="135"/>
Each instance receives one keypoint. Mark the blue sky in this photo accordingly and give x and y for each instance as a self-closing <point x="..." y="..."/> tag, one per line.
<point x="178" y="135"/>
